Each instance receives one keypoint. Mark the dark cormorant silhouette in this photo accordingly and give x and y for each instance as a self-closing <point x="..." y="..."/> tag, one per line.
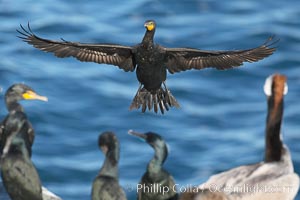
<point x="156" y="180"/>
<point x="13" y="95"/>
<point x="106" y="184"/>
<point x="19" y="175"/>
<point x="150" y="60"/>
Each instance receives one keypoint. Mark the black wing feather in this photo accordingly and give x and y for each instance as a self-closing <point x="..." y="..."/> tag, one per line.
<point x="181" y="59"/>
<point x="113" y="54"/>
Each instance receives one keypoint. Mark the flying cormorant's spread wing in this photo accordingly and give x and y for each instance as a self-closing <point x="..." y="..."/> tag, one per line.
<point x="113" y="54"/>
<point x="181" y="59"/>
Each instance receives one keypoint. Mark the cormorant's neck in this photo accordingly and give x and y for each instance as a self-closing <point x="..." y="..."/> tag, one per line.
<point x="12" y="104"/>
<point x="148" y="39"/>
<point x="274" y="146"/>
<point x="19" y="149"/>
<point x="155" y="165"/>
<point x="110" y="166"/>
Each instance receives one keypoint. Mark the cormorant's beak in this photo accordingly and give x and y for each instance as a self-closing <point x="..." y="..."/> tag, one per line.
<point x="149" y="26"/>
<point x="30" y="95"/>
<point x="140" y="135"/>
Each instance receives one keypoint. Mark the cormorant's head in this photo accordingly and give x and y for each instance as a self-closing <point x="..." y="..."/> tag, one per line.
<point x="109" y="145"/>
<point x="22" y="92"/>
<point x="150" y="25"/>
<point x="153" y="139"/>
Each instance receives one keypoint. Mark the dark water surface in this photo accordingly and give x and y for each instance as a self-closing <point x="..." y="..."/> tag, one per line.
<point x="222" y="118"/>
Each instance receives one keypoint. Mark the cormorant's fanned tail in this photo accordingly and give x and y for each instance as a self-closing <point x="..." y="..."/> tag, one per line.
<point x="161" y="99"/>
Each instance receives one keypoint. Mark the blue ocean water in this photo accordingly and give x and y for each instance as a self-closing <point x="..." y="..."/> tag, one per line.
<point x="221" y="121"/>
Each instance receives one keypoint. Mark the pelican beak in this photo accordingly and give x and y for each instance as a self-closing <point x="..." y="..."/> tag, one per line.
<point x="30" y="95"/>
<point x="140" y="135"/>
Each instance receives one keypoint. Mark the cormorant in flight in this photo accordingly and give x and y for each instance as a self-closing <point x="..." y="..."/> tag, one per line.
<point x="150" y="60"/>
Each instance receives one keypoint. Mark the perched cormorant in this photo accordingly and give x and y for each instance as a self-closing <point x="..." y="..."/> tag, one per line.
<point x="106" y="184"/>
<point x="150" y="60"/>
<point x="13" y="95"/>
<point x="19" y="175"/>
<point x="274" y="178"/>
<point x="156" y="183"/>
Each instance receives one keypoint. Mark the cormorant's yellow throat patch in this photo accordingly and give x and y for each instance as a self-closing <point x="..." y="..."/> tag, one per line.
<point x="28" y="95"/>
<point x="150" y="26"/>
